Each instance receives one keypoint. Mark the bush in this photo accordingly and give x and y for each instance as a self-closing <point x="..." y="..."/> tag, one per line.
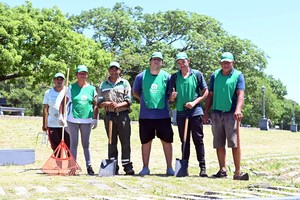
<point x="135" y="111"/>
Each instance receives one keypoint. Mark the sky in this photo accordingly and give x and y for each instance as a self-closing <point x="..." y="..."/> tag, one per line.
<point x="273" y="26"/>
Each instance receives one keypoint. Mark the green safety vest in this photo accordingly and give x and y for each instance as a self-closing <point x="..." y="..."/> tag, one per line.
<point x="154" y="89"/>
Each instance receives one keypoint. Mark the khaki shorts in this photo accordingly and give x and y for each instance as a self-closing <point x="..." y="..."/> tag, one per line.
<point x="223" y="129"/>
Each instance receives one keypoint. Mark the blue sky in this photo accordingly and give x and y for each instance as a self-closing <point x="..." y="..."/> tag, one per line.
<point x="274" y="26"/>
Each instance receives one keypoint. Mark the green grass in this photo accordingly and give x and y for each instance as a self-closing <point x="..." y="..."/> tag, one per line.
<point x="273" y="152"/>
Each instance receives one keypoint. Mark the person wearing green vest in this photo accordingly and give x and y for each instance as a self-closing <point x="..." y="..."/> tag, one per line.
<point x="226" y="97"/>
<point x="82" y="114"/>
<point x="188" y="89"/>
<point x="150" y="87"/>
<point x="115" y="98"/>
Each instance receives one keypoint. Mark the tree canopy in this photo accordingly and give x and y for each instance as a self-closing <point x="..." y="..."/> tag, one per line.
<point x="39" y="42"/>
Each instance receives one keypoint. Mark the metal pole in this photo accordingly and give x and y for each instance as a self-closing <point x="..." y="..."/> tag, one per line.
<point x="263" y="101"/>
<point x="293" y="119"/>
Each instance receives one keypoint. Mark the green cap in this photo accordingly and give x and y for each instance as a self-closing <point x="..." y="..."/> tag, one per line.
<point x="157" y="55"/>
<point x="114" y="64"/>
<point x="82" y="68"/>
<point x="227" y="56"/>
<point x="181" y="56"/>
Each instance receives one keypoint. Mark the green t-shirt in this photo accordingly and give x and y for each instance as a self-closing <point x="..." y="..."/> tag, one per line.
<point x="224" y="88"/>
<point x="154" y="89"/>
<point x="82" y="101"/>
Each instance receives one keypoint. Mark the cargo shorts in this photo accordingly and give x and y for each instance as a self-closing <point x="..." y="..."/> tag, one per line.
<point x="223" y="129"/>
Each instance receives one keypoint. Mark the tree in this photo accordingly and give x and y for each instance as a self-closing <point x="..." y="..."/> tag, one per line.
<point x="35" y="42"/>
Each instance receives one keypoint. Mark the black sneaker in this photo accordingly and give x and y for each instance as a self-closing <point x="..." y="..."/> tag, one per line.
<point x="128" y="169"/>
<point x="203" y="173"/>
<point x="242" y="177"/>
<point x="221" y="174"/>
<point x="90" y="170"/>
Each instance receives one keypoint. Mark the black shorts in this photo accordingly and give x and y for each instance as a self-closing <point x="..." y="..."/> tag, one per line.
<point x="160" y="127"/>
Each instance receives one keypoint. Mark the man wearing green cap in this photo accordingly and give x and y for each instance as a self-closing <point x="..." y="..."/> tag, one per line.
<point x="115" y="97"/>
<point x="226" y="97"/>
<point x="150" y="87"/>
<point x="52" y="101"/>
<point x="82" y="114"/>
<point x="188" y="89"/>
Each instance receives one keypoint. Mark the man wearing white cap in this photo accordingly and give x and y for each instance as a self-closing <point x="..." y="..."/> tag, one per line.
<point x="115" y="97"/>
<point x="52" y="101"/>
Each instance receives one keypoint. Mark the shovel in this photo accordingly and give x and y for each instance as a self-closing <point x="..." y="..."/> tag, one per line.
<point x="181" y="166"/>
<point x="107" y="166"/>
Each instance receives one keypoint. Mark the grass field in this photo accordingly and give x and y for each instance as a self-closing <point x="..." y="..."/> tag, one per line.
<point x="270" y="157"/>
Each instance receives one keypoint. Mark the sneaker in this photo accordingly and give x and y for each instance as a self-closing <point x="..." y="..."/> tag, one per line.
<point x="128" y="169"/>
<point x="203" y="173"/>
<point x="221" y="174"/>
<point x="90" y="170"/>
<point x="145" y="171"/>
<point x="242" y="176"/>
<point x="170" y="171"/>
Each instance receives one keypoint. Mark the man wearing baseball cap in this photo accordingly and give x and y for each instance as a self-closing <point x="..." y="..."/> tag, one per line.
<point x="115" y="98"/>
<point x="150" y="87"/>
<point x="226" y="97"/>
<point x="188" y="90"/>
<point x="51" y="102"/>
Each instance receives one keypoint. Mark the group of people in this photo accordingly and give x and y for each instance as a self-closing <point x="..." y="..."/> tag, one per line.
<point x="155" y="88"/>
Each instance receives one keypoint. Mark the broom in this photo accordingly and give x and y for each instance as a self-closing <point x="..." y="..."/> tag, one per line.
<point x="62" y="162"/>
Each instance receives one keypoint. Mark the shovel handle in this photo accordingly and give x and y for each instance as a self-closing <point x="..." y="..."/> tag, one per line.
<point x="110" y="124"/>
<point x="186" y="125"/>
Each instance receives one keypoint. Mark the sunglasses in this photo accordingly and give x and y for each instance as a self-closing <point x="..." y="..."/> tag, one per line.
<point x="60" y="79"/>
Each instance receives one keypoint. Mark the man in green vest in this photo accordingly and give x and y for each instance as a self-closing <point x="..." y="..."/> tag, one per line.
<point x="188" y="90"/>
<point x="226" y="97"/>
<point x="150" y="87"/>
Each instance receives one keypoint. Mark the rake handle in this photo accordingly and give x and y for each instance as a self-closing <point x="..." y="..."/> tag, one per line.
<point x="65" y="102"/>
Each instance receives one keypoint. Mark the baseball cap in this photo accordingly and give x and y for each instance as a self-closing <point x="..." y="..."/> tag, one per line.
<point x="157" y="55"/>
<point x="82" y="68"/>
<point x="114" y="64"/>
<point x="227" y="56"/>
<point x="59" y="75"/>
<point x="181" y="56"/>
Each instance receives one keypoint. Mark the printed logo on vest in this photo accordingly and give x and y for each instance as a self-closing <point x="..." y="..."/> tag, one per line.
<point x="154" y="88"/>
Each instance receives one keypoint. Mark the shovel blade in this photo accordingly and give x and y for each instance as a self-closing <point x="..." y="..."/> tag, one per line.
<point x="107" y="167"/>
<point x="181" y="168"/>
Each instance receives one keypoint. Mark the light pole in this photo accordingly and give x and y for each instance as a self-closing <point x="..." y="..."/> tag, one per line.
<point x="293" y="125"/>
<point x="263" y="123"/>
<point x="263" y="89"/>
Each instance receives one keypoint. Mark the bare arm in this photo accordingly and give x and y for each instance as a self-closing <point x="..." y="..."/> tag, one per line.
<point x="201" y="98"/>
<point x="136" y="95"/>
<point x="45" y="117"/>
<point x="95" y="107"/>
<point x="62" y="105"/>
<point x="238" y="115"/>
<point x="208" y="104"/>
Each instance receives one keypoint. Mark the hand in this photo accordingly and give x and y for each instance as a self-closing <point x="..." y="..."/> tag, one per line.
<point x="238" y="115"/>
<point x="173" y="95"/>
<point x="189" y="105"/>
<point x="94" y="123"/>
<point x="61" y="120"/>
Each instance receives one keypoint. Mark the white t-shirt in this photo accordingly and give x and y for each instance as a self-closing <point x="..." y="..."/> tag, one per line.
<point x="53" y="99"/>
